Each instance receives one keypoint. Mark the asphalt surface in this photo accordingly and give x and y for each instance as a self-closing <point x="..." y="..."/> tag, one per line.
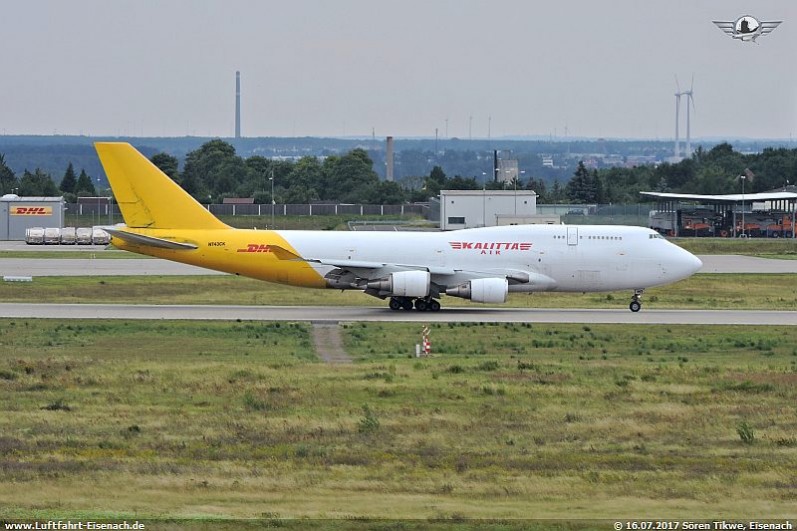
<point x="80" y="267"/>
<point x="334" y="314"/>
<point x="49" y="267"/>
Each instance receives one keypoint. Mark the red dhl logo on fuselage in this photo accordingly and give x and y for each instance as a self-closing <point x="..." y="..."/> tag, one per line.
<point x="491" y="247"/>
<point x="255" y="248"/>
<point x="31" y="211"/>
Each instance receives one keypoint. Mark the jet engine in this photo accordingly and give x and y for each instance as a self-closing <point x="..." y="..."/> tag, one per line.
<point x="403" y="284"/>
<point x="489" y="290"/>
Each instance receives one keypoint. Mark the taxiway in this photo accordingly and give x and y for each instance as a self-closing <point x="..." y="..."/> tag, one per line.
<point x="332" y="314"/>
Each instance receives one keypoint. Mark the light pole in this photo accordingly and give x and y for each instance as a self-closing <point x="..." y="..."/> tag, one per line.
<point x="98" y="200"/>
<point x="517" y="177"/>
<point x="484" y="200"/>
<point x="272" y="198"/>
<point x="743" y="178"/>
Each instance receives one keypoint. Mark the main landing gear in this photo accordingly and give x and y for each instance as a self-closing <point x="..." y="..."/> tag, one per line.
<point x="636" y="301"/>
<point x="422" y="305"/>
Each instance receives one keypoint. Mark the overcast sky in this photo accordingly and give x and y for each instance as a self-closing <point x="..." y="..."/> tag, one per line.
<point x="402" y="68"/>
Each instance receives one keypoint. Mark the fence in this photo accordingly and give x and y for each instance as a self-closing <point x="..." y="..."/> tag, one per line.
<point x="101" y="210"/>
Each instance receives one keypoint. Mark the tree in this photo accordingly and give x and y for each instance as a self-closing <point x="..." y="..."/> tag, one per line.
<point x="69" y="182"/>
<point x="435" y="182"/>
<point x="538" y="186"/>
<point x="385" y="193"/>
<point x="462" y="183"/>
<point x="348" y="177"/>
<point x="84" y="185"/>
<point x="37" y="183"/>
<point x="557" y="194"/>
<point x="584" y="186"/>
<point x="8" y="181"/>
<point x="168" y="164"/>
<point x="213" y="169"/>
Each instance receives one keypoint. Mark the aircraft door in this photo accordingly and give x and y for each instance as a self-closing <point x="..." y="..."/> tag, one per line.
<point x="572" y="235"/>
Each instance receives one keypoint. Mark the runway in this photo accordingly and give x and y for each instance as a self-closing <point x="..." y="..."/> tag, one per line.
<point x="334" y="314"/>
<point x="66" y="267"/>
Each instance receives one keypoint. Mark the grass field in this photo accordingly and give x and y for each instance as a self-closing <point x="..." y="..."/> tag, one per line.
<point x="225" y="420"/>
<point x="714" y="291"/>
<point x="765" y="247"/>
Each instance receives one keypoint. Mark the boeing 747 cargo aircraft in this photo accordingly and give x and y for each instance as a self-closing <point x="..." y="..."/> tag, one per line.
<point x="410" y="269"/>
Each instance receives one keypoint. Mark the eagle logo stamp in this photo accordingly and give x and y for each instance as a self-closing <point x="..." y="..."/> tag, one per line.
<point x="747" y="28"/>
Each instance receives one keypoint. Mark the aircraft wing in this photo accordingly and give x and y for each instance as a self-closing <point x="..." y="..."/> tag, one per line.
<point x="375" y="269"/>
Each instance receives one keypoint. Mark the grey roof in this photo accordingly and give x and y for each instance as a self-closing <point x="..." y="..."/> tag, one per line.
<point x="32" y="198"/>
<point x="726" y="198"/>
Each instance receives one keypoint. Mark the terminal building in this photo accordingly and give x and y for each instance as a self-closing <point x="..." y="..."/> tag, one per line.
<point x="20" y="213"/>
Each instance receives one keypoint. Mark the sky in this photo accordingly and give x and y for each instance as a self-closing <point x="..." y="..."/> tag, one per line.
<point x="404" y="68"/>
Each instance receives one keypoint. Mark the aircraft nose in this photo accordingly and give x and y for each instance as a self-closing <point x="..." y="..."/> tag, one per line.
<point x="696" y="263"/>
<point x="686" y="264"/>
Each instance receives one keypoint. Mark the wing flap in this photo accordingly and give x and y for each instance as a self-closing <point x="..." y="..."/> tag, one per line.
<point x="350" y="265"/>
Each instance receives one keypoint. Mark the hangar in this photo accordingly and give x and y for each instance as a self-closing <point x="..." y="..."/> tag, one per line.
<point x="20" y="213"/>
<point x="465" y="209"/>
<point x="759" y="215"/>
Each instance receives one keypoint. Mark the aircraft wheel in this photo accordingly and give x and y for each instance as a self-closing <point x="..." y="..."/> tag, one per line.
<point x="406" y="304"/>
<point x="635" y="306"/>
<point x="395" y="304"/>
<point x="421" y="305"/>
<point x="434" y="306"/>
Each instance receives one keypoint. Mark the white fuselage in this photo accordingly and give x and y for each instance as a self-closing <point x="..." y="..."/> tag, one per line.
<point x="557" y="257"/>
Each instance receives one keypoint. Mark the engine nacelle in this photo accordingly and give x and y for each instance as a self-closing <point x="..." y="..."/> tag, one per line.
<point x="404" y="284"/>
<point x="489" y="290"/>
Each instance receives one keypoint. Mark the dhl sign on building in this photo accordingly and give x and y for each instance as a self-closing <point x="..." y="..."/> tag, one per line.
<point x="20" y="213"/>
<point x="31" y="211"/>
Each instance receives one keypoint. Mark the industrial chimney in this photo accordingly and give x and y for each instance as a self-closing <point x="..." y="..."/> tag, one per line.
<point x="389" y="159"/>
<point x="237" y="104"/>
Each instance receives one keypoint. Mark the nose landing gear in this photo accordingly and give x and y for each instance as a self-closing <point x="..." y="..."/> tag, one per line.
<point x="636" y="301"/>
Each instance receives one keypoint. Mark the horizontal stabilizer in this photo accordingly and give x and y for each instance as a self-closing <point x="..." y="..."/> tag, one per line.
<point x="150" y="241"/>
<point x="283" y="253"/>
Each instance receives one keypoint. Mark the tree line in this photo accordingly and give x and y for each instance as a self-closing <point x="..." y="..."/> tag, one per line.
<point x="214" y="171"/>
<point x="39" y="183"/>
<point x="714" y="171"/>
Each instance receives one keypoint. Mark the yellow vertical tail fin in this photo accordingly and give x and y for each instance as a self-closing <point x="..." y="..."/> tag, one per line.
<point x="147" y="197"/>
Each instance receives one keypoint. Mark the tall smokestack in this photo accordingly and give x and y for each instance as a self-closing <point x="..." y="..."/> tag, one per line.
<point x="389" y="158"/>
<point x="237" y="104"/>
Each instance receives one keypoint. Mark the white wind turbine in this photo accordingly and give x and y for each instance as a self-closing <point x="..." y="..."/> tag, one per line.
<point x="677" y="154"/>
<point x="690" y="100"/>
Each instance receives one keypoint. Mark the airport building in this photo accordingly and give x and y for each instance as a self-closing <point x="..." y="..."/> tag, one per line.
<point x="20" y="213"/>
<point x="466" y="209"/>
<point x="770" y="214"/>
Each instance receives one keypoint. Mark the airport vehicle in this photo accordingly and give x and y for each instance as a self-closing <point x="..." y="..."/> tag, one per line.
<point x="52" y="236"/>
<point x="83" y="235"/>
<point x="100" y="237"/>
<point x="68" y="236"/>
<point x="412" y="270"/>
<point x="34" y="236"/>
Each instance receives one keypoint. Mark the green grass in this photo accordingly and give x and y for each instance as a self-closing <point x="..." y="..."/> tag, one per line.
<point x="238" y="420"/>
<point x="714" y="291"/>
<point x="766" y="247"/>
